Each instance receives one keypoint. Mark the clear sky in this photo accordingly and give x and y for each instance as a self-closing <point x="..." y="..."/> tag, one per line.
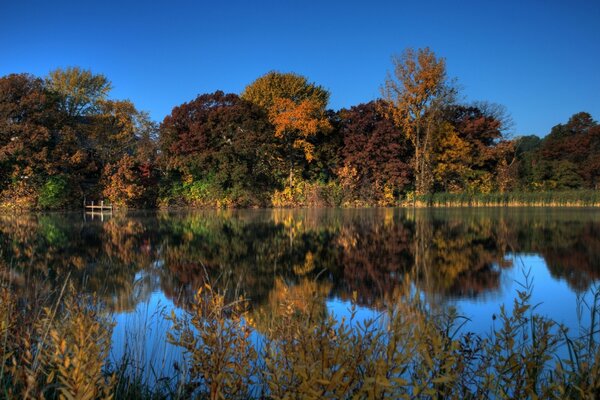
<point x="541" y="59"/>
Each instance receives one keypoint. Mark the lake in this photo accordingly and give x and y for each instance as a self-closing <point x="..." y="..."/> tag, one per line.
<point x="143" y="264"/>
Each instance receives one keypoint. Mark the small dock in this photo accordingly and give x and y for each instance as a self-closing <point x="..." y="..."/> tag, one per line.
<point x="99" y="209"/>
<point x="97" y="206"/>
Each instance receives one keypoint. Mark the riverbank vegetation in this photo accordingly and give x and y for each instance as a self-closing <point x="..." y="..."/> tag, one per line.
<point x="64" y="140"/>
<point x="57" y="348"/>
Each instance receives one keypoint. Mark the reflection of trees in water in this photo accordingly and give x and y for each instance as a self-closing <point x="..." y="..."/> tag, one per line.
<point x="263" y="254"/>
<point x="462" y="257"/>
<point x="41" y="251"/>
<point x="571" y="250"/>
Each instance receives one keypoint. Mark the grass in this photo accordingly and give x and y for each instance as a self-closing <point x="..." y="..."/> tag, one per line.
<point x="573" y="198"/>
<point x="299" y="350"/>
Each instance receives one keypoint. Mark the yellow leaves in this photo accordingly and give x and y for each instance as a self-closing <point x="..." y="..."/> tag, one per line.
<point x="453" y="159"/>
<point x="216" y="337"/>
<point x="78" y="347"/>
<point x="273" y="85"/>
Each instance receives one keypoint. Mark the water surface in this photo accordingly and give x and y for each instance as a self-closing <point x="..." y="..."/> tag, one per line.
<point x="144" y="264"/>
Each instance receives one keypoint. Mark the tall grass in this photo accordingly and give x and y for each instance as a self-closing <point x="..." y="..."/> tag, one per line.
<point x="574" y="198"/>
<point x="299" y="350"/>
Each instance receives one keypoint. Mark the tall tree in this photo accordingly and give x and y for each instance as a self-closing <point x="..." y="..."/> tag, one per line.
<point x="417" y="92"/>
<point x="80" y="90"/>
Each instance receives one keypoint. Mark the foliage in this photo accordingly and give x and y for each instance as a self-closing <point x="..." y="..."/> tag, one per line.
<point x="567" y="158"/>
<point x="375" y="155"/>
<point x="27" y="120"/>
<point x="80" y="91"/>
<point x="274" y="85"/>
<point x="63" y="140"/>
<point x="296" y="108"/>
<point x="221" y="359"/>
<point x="54" y="350"/>
<point x="54" y="193"/>
<point x="416" y="94"/>
<point x="126" y="183"/>
<point x="307" y="194"/>
<point x="222" y="139"/>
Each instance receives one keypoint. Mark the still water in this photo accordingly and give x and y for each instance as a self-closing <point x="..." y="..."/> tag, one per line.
<point x="142" y="265"/>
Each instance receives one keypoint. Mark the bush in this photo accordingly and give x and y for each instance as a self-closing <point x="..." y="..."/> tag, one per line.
<point x="54" y="193"/>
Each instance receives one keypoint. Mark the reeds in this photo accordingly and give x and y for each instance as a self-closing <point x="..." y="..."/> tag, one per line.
<point x="574" y="198"/>
<point x="409" y="351"/>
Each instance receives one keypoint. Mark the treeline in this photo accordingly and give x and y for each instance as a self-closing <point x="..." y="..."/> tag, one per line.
<point x="63" y="140"/>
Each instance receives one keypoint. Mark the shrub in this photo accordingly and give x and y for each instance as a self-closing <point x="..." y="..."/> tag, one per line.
<point x="54" y="193"/>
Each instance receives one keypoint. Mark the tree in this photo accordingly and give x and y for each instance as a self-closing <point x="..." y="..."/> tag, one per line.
<point x="566" y="158"/>
<point x="296" y="108"/>
<point x="471" y="147"/>
<point x="80" y="91"/>
<point x="125" y="183"/>
<point x="453" y="159"/>
<point x="27" y="121"/>
<point x="295" y="124"/>
<point x="278" y="85"/>
<point x="416" y="94"/>
<point x="219" y="139"/>
<point x="374" y="154"/>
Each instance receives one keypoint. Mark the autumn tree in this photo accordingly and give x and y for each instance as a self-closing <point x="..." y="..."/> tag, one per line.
<point x="27" y="120"/>
<point x="221" y="140"/>
<point x="453" y="165"/>
<point x="295" y="124"/>
<point x="125" y="184"/>
<point x="375" y="154"/>
<point x="471" y="152"/>
<point x="416" y="92"/>
<point x="80" y="91"/>
<point x="99" y="134"/>
<point x="567" y="158"/>
<point x="296" y="108"/>
<point x="274" y="85"/>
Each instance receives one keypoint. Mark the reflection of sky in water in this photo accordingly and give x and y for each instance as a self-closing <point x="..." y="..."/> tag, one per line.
<point x="141" y="334"/>
<point x="142" y="265"/>
<point x="552" y="297"/>
<point x="143" y="331"/>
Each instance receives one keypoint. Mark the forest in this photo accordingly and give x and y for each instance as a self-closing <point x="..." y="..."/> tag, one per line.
<point x="63" y="140"/>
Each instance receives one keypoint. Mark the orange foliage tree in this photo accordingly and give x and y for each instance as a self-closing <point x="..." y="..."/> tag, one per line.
<point x="296" y="108"/>
<point x="416" y="93"/>
<point x="294" y="124"/>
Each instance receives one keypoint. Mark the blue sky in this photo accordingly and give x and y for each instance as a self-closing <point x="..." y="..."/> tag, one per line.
<point x="541" y="59"/>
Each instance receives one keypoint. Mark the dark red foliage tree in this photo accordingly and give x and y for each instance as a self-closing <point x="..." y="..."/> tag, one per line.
<point x="220" y="138"/>
<point x="375" y="153"/>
